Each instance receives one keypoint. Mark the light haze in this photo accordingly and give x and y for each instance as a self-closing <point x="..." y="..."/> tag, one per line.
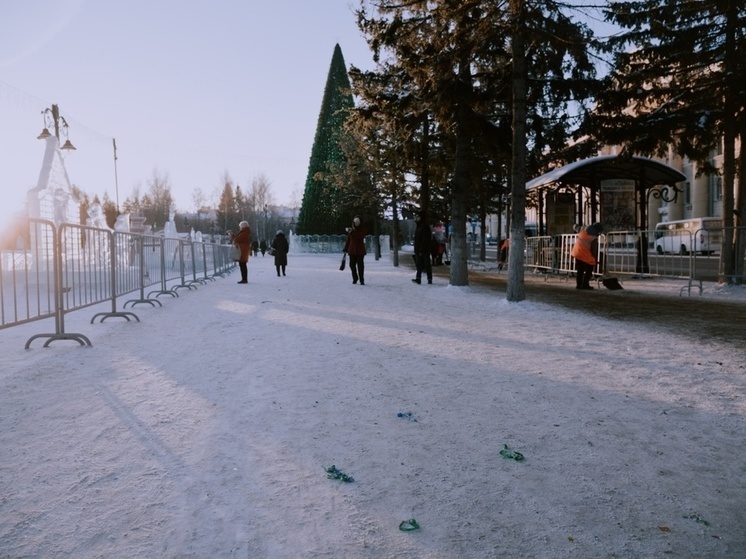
<point x="190" y="89"/>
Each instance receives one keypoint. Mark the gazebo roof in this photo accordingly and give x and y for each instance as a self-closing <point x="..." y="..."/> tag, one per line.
<point x="588" y="172"/>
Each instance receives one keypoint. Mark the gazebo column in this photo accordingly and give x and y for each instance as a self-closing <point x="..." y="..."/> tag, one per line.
<point x="595" y="195"/>
<point x="541" y="227"/>
<point x="643" y="266"/>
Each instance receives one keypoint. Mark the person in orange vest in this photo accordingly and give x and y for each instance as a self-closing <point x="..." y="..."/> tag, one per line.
<point x="584" y="252"/>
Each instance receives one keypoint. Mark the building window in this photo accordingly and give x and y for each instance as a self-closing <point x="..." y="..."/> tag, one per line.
<point x="716" y="188"/>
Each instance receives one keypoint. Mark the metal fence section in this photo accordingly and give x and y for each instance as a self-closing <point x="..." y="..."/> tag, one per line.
<point x="27" y="275"/>
<point x="550" y="254"/>
<point x="87" y="271"/>
<point x="737" y="236"/>
<point x="330" y="244"/>
<point x="640" y="254"/>
<point x="51" y="270"/>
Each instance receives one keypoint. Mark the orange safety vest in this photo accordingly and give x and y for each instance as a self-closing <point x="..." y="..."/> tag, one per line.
<point x="581" y="250"/>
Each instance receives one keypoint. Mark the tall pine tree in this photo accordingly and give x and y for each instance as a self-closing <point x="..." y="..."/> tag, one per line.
<point x="678" y="80"/>
<point x="457" y="58"/>
<point x="321" y="211"/>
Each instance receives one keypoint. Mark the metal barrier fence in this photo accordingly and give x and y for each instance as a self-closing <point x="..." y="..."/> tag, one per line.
<point x="642" y="254"/>
<point x="51" y="271"/>
<point x="330" y="244"/>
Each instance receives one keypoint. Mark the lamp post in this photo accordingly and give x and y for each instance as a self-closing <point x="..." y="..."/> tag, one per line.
<point x="116" y="178"/>
<point x="51" y="117"/>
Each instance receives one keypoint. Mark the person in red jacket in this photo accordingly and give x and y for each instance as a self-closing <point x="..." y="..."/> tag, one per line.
<point x="504" y="251"/>
<point x="355" y="248"/>
<point x="243" y="241"/>
<point x="584" y="252"/>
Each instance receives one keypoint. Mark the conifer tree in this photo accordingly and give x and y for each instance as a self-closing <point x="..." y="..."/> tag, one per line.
<point x="321" y="211"/>
<point x="226" y="214"/>
<point x="110" y="210"/>
<point x="457" y="56"/>
<point x="379" y="145"/>
<point x="681" y="84"/>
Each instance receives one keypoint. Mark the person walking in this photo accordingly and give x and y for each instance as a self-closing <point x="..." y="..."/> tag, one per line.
<point x="423" y="238"/>
<point x="355" y="249"/>
<point x="504" y="251"/>
<point x="243" y="241"/>
<point x="584" y="252"/>
<point x="263" y="247"/>
<point x="281" y="248"/>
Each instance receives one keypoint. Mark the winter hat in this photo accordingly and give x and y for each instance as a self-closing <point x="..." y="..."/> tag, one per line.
<point x="595" y="229"/>
<point x="279" y="232"/>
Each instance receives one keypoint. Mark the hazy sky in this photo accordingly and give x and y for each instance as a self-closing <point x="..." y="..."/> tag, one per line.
<point x="193" y="89"/>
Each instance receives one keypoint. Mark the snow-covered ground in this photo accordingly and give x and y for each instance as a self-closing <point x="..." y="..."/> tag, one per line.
<point x="204" y="430"/>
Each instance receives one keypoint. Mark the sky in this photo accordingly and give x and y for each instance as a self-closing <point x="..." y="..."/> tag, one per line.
<point x="214" y="443"/>
<point x="191" y="89"/>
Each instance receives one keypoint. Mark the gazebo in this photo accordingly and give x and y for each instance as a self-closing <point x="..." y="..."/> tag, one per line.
<point x="614" y="190"/>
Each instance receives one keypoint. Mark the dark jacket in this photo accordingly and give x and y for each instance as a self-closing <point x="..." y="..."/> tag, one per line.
<point x="355" y="243"/>
<point x="423" y="238"/>
<point x="281" y="248"/>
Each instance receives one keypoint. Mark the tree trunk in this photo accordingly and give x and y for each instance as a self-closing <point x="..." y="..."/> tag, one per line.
<point x="395" y="241"/>
<point x="739" y="252"/>
<point x="729" y="146"/>
<point x="516" y="289"/>
<point x="461" y="178"/>
<point x="425" y="168"/>
<point x="459" y="190"/>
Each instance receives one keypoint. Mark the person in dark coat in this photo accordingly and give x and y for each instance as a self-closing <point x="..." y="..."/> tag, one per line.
<point x="281" y="249"/>
<point x="243" y="241"/>
<point x="423" y="238"/>
<point x="255" y="247"/>
<point x="355" y="249"/>
<point x="263" y="247"/>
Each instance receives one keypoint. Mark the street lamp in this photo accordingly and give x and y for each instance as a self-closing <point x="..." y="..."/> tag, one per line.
<point x="116" y="178"/>
<point x="51" y="117"/>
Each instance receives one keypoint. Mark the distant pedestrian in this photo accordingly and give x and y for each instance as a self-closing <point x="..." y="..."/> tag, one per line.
<point x="423" y="238"/>
<point x="280" y="249"/>
<point x="263" y="246"/>
<point x="584" y="252"/>
<point x="504" y="251"/>
<point x="438" y="247"/>
<point x="255" y="247"/>
<point x="355" y="249"/>
<point x="243" y="241"/>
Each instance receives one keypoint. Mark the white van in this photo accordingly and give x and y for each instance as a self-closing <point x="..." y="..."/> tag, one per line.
<point x="699" y="235"/>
